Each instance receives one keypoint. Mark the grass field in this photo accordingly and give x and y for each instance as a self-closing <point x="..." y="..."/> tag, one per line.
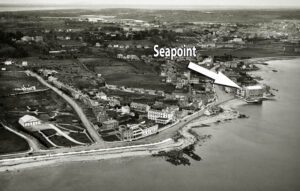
<point x="11" y="143"/>
<point x="47" y="104"/>
<point x="127" y="73"/>
<point x="15" y="79"/>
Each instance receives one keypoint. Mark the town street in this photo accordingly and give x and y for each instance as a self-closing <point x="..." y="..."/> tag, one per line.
<point x="92" y="131"/>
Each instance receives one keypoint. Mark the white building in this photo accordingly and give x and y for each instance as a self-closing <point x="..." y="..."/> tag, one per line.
<point x="101" y="95"/>
<point x="124" y="110"/>
<point x="155" y="114"/>
<point x="147" y="131"/>
<point x="120" y="56"/>
<point x="27" y="38"/>
<point x="136" y="131"/>
<point x="256" y="91"/>
<point x="24" y="63"/>
<point x="8" y="62"/>
<point x="208" y="60"/>
<point x="28" y="120"/>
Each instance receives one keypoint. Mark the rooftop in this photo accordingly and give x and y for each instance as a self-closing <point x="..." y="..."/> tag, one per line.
<point x="256" y="87"/>
<point x="28" y="118"/>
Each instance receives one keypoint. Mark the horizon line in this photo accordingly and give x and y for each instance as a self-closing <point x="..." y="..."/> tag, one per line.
<point x="149" y="6"/>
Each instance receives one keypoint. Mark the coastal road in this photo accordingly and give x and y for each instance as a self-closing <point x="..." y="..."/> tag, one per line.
<point x="92" y="131"/>
<point x="90" y="154"/>
<point x="95" y="150"/>
<point x="220" y="93"/>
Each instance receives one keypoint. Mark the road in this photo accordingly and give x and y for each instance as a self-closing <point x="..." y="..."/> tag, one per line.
<point x="100" y="150"/>
<point x="221" y="95"/>
<point x="65" y="135"/>
<point x="92" y="131"/>
<point x="97" y="151"/>
<point x="91" y="154"/>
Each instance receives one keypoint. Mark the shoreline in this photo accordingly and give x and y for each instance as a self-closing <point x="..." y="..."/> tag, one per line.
<point x="229" y="113"/>
<point x="266" y="59"/>
<point x="188" y="139"/>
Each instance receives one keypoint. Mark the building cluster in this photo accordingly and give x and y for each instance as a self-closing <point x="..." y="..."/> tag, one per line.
<point x="136" y="90"/>
<point x="135" y="113"/>
<point x="128" y="25"/>
<point x="131" y="57"/>
<point x="140" y="107"/>
<point x="30" y="39"/>
<point x="112" y="114"/>
<point x="136" y="131"/>
<point x="25" y="89"/>
<point x="102" y="105"/>
<point x="127" y="46"/>
<point x="162" y="116"/>
<point x="6" y="64"/>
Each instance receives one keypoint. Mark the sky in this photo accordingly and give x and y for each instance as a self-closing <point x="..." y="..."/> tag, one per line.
<point x="241" y="3"/>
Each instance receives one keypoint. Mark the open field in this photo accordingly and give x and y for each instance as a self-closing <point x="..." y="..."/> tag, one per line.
<point x="69" y="70"/>
<point x="147" y="81"/>
<point x="195" y="13"/>
<point x="15" y="79"/>
<point x="47" y="106"/>
<point x="127" y="97"/>
<point x="99" y="65"/>
<point x="127" y="73"/>
<point x="11" y="143"/>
